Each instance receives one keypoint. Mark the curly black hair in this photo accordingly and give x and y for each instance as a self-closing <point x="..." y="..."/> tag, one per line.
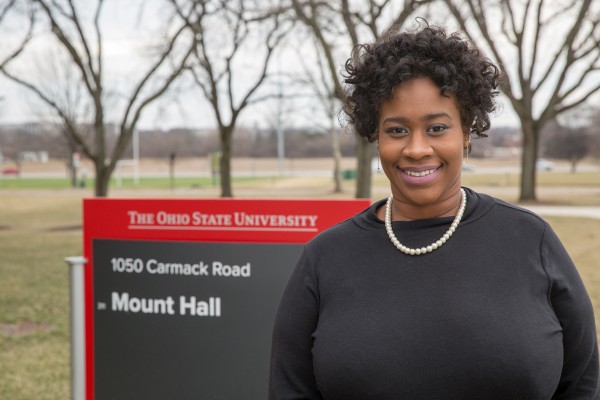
<point x="451" y="62"/>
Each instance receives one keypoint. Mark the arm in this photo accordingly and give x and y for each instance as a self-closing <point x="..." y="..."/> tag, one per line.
<point x="291" y="375"/>
<point x="572" y="306"/>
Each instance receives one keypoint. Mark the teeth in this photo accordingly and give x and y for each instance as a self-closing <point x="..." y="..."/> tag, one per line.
<point x="421" y="173"/>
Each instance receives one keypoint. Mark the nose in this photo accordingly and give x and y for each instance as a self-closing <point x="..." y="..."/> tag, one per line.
<point x="417" y="147"/>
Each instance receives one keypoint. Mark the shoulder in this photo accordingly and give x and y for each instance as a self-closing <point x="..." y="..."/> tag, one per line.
<point x="499" y="218"/>
<point x="347" y="231"/>
<point x="512" y="212"/>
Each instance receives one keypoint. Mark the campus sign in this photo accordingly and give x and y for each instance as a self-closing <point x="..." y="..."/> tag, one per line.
<point x="180" y="295"/>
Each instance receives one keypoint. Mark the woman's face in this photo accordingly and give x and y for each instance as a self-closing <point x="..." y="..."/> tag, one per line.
<point x="421" y="142"/>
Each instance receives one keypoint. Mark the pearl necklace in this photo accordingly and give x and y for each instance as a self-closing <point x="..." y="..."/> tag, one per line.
<point x="435" y="245"/>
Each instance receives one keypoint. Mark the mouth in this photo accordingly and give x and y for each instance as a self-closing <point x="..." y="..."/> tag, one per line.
<point x="420" y="176"/>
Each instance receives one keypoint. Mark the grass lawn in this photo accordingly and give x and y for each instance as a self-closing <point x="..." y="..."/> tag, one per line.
<point x="125" y="183"/>
<point x="35" y="235"/>
<point x="38" y="229"/>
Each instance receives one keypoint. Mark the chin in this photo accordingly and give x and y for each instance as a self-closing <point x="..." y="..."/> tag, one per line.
<point x="424" y="196"/>
<point x="420" y="196"/>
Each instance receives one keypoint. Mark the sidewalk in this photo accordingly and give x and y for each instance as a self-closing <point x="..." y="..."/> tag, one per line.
<point x="565" y="211"/>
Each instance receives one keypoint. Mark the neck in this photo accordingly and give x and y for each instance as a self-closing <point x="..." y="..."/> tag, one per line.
<point x="444" y="207"/>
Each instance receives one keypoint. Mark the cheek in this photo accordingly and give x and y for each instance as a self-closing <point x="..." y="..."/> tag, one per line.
<point x="388" y="150"/>
<point x="457" y="145"/>
<point x="449" y="145"/>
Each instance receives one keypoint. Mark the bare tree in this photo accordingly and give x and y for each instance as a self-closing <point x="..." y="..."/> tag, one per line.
<point x="82" y="39"/>
<point x="567" y="143"/>
<point x="570" y="135"/>
<point x="343" y="23"/>
<point x="318" y="80"/>
<point x="550" y="53"/>
<point x="58" y="79"/>
<point x="594" y="130"/>
<point x="228" y="34"/>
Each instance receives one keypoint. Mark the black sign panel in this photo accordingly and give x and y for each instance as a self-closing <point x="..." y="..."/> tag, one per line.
<point x="185" y="320"/>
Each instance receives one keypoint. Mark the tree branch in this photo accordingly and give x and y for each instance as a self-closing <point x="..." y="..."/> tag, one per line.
<point x="579" y="101"/>
<point x="83" y="40"/>
<point x="55" y="106"/>
<point x="160" y="61"/>
<point x="536" y="42"/>
<point x="21" y="47"/>
<point x="482" y="26"/>
<point x="62" y="37"/>
<point x="567" y="46"/>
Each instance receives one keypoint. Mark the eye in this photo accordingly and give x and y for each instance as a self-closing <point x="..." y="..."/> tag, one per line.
<point x="437" y="129"/>
<point x="396" y="131"/>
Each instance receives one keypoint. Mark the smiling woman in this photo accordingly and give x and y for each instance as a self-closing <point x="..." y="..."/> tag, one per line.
<point x="440" y="292"/>
<point x="421" y="141"/>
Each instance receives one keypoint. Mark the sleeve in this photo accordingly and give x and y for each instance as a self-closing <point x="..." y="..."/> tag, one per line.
<point x="573" y="308"/>
<point x="291" y="373"/>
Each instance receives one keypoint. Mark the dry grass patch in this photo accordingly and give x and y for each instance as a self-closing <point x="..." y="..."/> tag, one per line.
<point x="581" y="237"/>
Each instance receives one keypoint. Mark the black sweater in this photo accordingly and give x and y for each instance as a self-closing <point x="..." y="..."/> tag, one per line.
<point x="498" y="312"/>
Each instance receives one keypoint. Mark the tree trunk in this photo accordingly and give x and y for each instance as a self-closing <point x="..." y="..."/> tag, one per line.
<point x="73" y="172"/>
<point x="102" y="180"/>
<point x="225" y="162"/>
<point x="337" y="160"/>
<point x="363" y="168"/>
<point x="74" y="160"/>
<point x="102" y="172"/>
<point x="528" y="157"/>
<point x="172" y="170"/>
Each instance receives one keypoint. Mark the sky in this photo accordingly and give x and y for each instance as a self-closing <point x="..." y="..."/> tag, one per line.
<point x="123" y="42"/>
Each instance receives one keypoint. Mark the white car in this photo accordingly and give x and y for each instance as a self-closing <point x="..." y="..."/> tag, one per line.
<point x="541" y="164"/>
<point x="376" y="165"/>
<point x="468" y="167"/>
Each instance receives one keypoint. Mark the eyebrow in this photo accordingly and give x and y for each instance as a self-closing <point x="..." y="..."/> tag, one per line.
<point x="427" y="117"/>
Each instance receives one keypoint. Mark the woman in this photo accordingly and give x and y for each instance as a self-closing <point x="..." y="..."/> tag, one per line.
<point x="439" y="292"/>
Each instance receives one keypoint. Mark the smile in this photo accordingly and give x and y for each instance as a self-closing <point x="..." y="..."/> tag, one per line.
<point x="420" y="173"/>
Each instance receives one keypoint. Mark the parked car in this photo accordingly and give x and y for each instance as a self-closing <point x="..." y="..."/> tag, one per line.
<point x="468" y="167"/>
<point x="541" y="164"/>
<point x="376" y="165"/>
<point x="10" y="171"/>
